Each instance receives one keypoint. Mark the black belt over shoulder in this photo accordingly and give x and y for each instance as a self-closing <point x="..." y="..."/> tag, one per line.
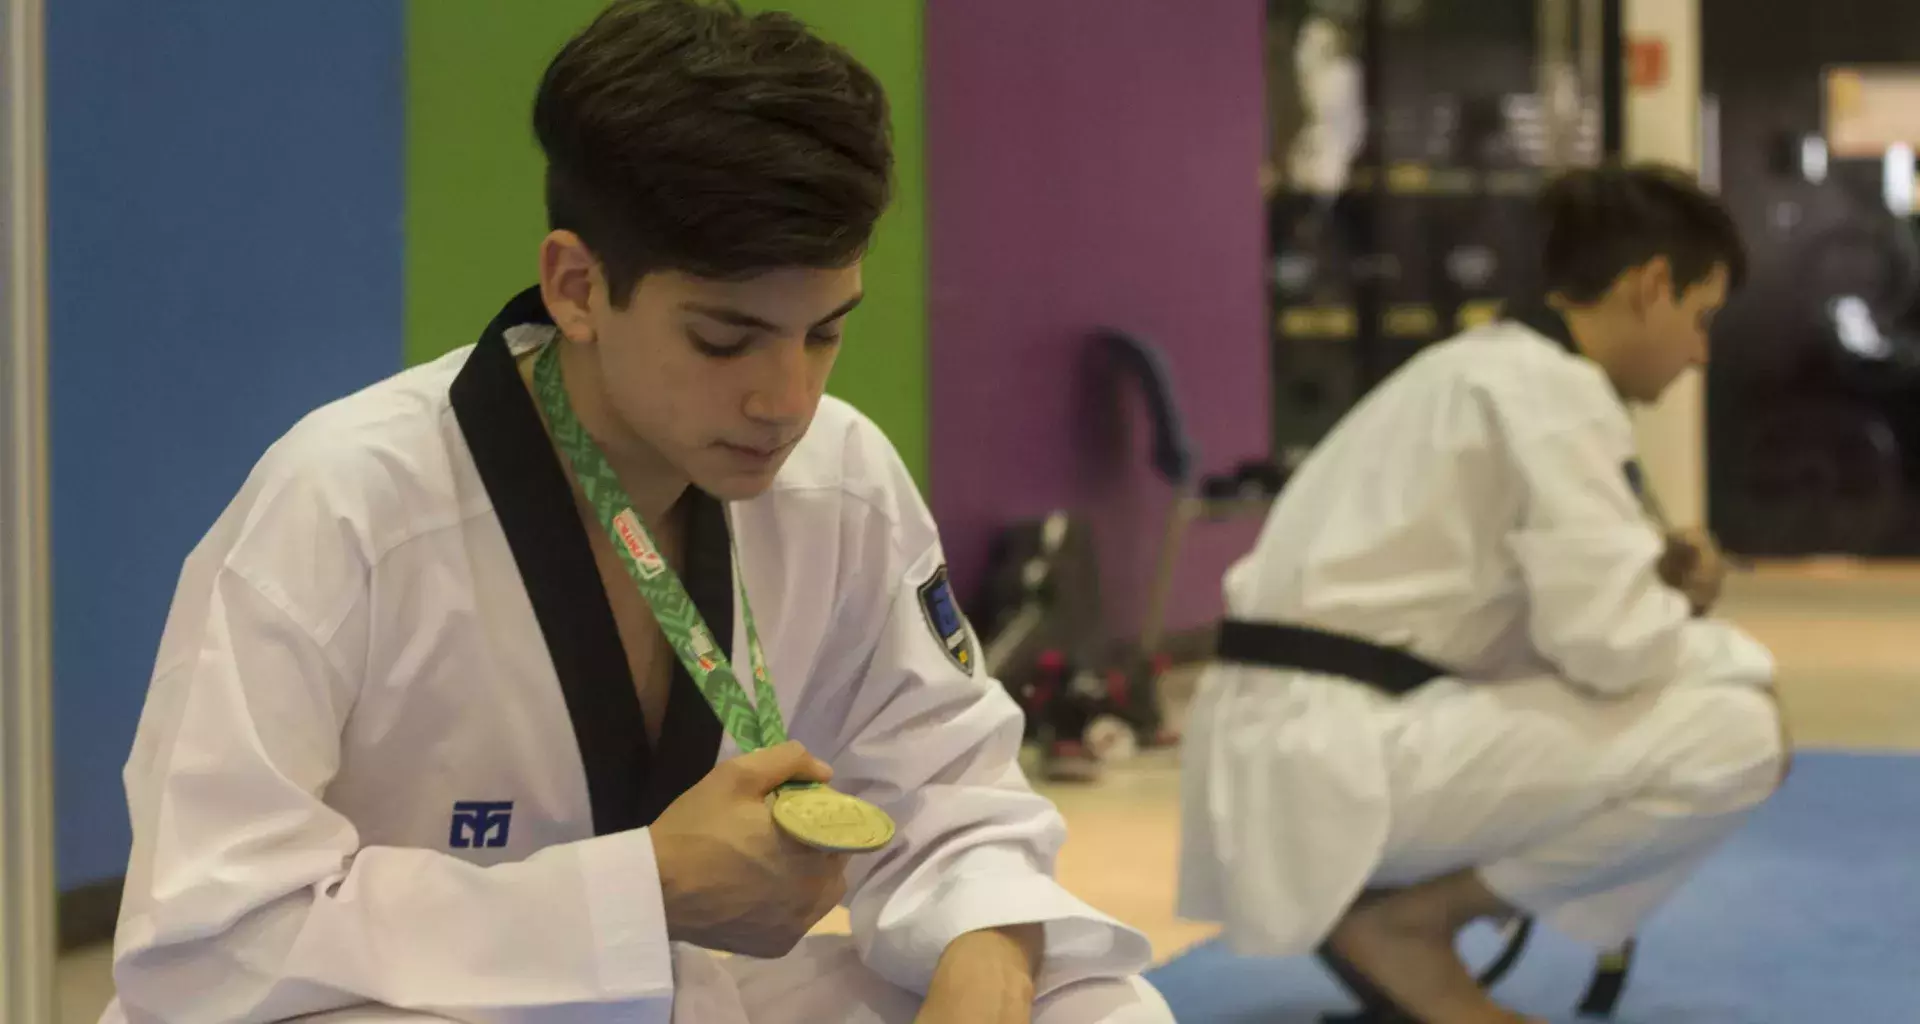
<point x="1278" y="645"/>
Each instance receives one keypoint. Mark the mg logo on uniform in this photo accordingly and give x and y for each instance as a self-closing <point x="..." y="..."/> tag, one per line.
<point x="480" y="824"/>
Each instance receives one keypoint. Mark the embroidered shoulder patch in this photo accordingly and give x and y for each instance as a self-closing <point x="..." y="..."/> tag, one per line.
<point x="943" y="617"/>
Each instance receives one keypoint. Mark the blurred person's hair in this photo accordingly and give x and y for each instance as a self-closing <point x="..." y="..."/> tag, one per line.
<point x="1600" y="222"/>
<point x="687" y="135"/>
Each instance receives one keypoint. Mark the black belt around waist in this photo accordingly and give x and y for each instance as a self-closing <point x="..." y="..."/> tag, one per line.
<point x="1277" y="645"/>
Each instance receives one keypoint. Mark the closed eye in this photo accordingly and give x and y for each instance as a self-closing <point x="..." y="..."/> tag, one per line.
<point x="713" y="351"/>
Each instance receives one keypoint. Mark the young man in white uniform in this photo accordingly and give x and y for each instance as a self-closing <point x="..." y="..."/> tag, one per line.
<point x="450" y="722"/>
<point x="1463" y="670"/>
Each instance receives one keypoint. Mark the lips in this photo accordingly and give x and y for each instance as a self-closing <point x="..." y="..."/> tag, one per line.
<point x="755" y="451"/>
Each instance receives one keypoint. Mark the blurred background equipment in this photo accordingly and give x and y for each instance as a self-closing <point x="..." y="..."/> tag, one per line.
<point x="1407" y="140"/>
<point x="1044" y="639"/>
<point x="1812" y="115"/>
<point x="1043" y="625"/>
<point x="1245" y="493"/>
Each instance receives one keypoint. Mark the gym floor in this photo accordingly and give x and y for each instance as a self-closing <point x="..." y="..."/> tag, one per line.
<point x="1850" y="679"/>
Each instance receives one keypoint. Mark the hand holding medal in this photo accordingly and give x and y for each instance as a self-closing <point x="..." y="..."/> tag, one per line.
<point x="810" y="812"/>
<point x="827" y="819"/>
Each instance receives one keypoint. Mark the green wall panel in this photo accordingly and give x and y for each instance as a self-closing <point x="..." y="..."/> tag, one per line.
<point x="474" y="218"/>
<point x="883" y="365"/>
<point x="474" y="213"/>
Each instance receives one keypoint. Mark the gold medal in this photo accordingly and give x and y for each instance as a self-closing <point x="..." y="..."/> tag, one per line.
<point x="830" y="820"/>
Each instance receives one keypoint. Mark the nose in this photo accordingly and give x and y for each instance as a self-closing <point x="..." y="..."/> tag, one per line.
<point x="782" y="392"/>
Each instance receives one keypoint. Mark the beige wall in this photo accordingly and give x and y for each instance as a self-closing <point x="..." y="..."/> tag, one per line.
<point x="1664" y="124"/>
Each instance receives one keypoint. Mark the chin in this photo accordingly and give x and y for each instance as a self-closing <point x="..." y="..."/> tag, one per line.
<point x="737" y="482"/>
<point x="735" y="487"/>
<point x="1651" y="395"/>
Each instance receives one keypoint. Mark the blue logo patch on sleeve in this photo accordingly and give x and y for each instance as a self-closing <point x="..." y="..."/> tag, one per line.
<point x="480" y="824"/>
<point x="944" y="618"/>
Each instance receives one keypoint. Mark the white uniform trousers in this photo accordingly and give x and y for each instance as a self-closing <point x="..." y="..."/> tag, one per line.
<point x="1586" y="813"/>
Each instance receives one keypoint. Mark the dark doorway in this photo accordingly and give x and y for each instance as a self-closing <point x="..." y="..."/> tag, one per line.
<point x="1813" y="395"/>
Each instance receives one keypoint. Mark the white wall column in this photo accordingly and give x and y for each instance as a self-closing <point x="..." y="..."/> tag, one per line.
<point x="27" y="876"/>
<point x="1663" y="124"/>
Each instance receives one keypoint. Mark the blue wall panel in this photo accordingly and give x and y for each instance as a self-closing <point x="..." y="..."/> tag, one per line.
<point x="226" y="210"/>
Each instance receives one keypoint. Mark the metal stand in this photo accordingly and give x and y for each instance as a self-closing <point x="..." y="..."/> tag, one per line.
<point x="1188" y="508"/>
<point x="27" y="929"/>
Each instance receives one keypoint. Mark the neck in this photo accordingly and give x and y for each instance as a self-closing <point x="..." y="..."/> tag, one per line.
<point x="653" y="484"/>
<point x="1591" y="329"/>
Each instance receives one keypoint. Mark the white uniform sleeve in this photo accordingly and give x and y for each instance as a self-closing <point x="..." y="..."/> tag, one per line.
<point x="937" y="746"/>
<point x="1588" y="557"/>
<point x="249" y="899"/>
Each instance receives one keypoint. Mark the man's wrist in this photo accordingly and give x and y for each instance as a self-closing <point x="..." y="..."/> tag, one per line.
<point x="669" y="865"/>
<point x="1009" y="954"/>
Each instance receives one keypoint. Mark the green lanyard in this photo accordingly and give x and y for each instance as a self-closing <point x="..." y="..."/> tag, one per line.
<point x="752" y="724"/>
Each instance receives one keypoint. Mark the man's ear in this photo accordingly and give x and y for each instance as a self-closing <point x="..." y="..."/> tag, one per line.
<point x="569" y="277"/>
<point x="1656" y="284"/>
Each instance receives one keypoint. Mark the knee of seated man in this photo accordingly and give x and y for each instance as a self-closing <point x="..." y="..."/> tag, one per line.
<point x="1739" y="752"/>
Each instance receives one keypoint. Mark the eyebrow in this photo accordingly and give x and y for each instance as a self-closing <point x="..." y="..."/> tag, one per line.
<point x="739" y="318"/>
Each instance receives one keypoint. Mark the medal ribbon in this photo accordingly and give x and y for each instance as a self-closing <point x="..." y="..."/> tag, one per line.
<point x="752" y="723"/>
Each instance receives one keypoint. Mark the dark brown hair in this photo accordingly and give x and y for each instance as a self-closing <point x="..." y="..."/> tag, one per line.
<point x="687" y="135"/>
<point x="1602" y="221"/>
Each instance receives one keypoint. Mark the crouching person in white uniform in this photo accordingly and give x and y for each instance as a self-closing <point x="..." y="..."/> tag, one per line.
<point x="1464" y="670"/>
<point x="504" y="690"/>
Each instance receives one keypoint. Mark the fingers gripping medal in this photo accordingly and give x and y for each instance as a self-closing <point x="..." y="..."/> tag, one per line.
<point x="809" y="812"/>
<point x="828" y="819"/>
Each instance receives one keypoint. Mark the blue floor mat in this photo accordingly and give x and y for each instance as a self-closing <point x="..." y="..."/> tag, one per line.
<point x="1810" y="915"/>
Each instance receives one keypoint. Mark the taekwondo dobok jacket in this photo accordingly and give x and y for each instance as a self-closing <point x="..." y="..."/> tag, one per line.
<point x="1478" y="509"/>
<point x="392" y="751"/>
